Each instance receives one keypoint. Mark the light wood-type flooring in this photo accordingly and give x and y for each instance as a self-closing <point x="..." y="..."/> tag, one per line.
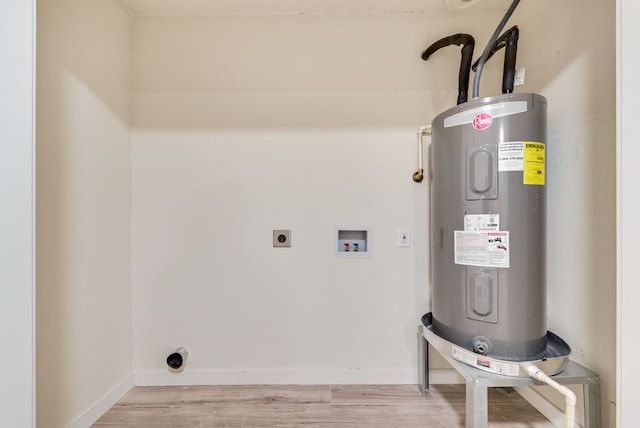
<point x="321" y="406"/>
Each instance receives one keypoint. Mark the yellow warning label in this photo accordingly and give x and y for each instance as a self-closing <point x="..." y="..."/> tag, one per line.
<point x="533" y="163"/>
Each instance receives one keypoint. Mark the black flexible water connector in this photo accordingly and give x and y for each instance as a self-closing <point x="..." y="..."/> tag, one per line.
<point x="467" y="42"/>
<point x="487" y="49"/>
<point x="509" y="41"/>
<point x="510" y="53"/>
<point x="499" y="44"/>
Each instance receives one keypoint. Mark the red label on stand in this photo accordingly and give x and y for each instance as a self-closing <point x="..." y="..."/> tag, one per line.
<point x="483" y="362"/>
<point x="482" y="121"/>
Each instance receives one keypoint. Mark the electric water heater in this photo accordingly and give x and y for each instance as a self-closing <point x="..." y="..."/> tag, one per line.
<point x="488" y="203"/>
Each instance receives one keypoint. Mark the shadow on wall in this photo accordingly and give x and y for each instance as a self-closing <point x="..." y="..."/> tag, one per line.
<point x="86" y="44"/>
<point x="82" y="211"/>
<point x="305" y="71"/>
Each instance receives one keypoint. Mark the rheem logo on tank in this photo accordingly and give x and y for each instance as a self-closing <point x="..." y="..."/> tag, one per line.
<point x="482" y="121"/>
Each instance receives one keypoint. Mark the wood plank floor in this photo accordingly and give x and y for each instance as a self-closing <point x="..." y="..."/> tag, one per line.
<point x="321" y="406"/>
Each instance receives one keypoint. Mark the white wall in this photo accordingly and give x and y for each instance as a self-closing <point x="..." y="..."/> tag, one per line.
<point x="245" y="124"/>
<point x="628" y="213"/>
<point x="83" y="210"/>
<point x="17" y="281"/>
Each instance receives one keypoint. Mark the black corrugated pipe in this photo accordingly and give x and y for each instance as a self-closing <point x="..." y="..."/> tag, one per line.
<point x="467" y="42"/>
<point x="509" y="41"/>
<point x="489" y="47"/>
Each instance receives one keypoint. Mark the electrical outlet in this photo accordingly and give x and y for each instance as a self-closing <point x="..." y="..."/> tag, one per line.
<point x="404" y="237"/>
<point x="282" y="238"/>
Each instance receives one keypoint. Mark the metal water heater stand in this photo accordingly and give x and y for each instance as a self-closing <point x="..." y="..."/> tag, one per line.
<point x="484" y="373"/>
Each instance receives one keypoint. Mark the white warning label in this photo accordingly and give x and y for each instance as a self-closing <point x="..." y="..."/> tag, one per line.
<point x="481" y="222"/>
<point x="511" y="156"/>
<point x="484" y="363"/>
<point x="484" y="249"/>
<point x="463" y="356"/>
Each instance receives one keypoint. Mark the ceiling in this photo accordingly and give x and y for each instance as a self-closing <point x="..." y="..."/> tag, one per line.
<point x="223" y="7"/>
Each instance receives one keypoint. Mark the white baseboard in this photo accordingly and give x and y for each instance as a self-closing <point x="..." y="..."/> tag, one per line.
<point x="99" y="408"/>
<point x="291" y="377"/>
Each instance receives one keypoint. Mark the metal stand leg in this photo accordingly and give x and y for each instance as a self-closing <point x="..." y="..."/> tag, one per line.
<point x="477" y="404"/>
<point x="592" y="404"/>
<point x="423" y="363"/>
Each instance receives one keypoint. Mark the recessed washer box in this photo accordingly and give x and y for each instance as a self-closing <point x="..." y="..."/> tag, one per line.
<point x="353" y="241"/>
